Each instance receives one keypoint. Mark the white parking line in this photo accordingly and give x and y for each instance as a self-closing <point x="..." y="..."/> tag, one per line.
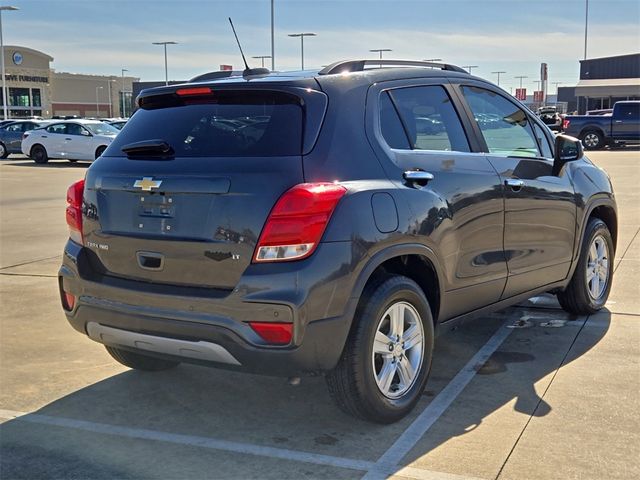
<point x="387" y="465"/>
<point x="403" y="445"/>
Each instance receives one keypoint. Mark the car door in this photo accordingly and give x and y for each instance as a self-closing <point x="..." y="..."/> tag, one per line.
<point x="539" y="207"/>
<point x="459" y="211"/>
<point x="78" y="142"/>
<point x="52" y="138"/>
<point x="12" y="136"/>
<point x="625" y="124"/>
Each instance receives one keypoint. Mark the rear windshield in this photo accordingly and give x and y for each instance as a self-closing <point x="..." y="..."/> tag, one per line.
<point x="227" y="124"/>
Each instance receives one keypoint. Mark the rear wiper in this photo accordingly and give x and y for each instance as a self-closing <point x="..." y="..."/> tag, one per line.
<point x="155" y="148"/>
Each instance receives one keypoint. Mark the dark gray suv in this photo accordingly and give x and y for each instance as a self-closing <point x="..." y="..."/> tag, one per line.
<point x="329" y="223"/>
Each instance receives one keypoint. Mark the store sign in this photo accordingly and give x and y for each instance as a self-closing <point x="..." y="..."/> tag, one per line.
<point x="538" y="96"/>
<point x="521" y="94"/>
<point x="26" y="78"/>
<point x="226" y="68"/>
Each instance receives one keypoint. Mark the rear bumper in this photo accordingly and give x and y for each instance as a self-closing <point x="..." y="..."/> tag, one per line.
<point x="209" y="327"/>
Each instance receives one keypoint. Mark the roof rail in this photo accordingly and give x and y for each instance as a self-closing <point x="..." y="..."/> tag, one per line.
<point x="359" y="65"/>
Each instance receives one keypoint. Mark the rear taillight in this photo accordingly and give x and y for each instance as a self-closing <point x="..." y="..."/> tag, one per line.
<point x="297" y="222"/>
<point x="275" y="333"/>
<point x="74" y="211"/>
<point x="185" y="92"/>
<point x="565" y="124"/>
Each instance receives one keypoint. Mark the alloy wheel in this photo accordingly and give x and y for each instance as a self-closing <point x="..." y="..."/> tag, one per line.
<point x="398" y="350"/>
<point x="598" y="268"/>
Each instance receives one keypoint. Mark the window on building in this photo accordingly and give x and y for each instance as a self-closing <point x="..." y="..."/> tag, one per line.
<point x="36" y="98"/>
<point x="19" y="97"/>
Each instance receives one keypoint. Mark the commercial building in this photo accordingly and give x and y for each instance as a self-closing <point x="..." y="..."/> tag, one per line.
<point x="34" y="88"/>
<point x="603" y="82"/>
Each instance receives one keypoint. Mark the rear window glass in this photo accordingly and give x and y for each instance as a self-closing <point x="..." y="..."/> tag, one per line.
<point x="229" y="124"/>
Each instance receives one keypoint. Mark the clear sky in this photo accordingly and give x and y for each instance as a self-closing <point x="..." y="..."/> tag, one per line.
<point x="101" y="37"/>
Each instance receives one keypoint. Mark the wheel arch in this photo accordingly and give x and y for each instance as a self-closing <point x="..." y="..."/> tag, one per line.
<point x="101" y="149"/>
<point x="592" y="128"/>
<point x="414" y="261"/>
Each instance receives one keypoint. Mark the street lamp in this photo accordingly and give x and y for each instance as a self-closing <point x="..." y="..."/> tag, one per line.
<point x="469" y="67"/>
<point x="498" y="73"/>
<point x="262" y="57"/>
<point x="166" y="72"/>
<point x="302" y="35"/>
<point x="380" y="50"/>
<point x="4" y="83"/>
<point x="521" y="77"/>
<point x="586" y="25"/>
<point x="97" y="108"/>
<point x="122" y="112"/>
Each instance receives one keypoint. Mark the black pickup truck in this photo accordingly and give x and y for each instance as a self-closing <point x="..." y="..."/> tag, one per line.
<point x="596" y="131"/>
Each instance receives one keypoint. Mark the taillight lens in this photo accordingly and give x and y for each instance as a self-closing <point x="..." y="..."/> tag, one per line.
<point x="275" y="333"/>
<point x="565" y="124"/>
<point x="184" y="92"/>
<point x="74" y="211"/>
<point x="297" y="222"/>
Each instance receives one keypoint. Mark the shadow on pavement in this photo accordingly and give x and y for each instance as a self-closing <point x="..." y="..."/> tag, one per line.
<point x="200" y="401"/>
<point x="50" y="164"/>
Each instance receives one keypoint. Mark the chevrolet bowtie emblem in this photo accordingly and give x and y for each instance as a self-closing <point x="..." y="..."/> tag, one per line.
<point x="147" y="183"/>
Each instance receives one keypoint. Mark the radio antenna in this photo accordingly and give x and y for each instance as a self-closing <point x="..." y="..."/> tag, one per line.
<point x="239" y="46"/>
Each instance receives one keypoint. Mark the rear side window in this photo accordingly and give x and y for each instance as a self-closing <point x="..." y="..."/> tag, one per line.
<point x="57" y="128"/>
<point x="505" y="126"/>
<point x="228" y="124"/>
<point x="542" y="141"/>
<point x="429" y="119"/>
<point x="390" y="124"/>
<point x="629" y="111"/>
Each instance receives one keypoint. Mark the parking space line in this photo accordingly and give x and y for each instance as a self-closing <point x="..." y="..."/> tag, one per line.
<point x="412" y="435"/>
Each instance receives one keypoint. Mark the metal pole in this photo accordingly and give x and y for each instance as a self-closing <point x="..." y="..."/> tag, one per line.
<point x="302" y="52"/>
<point x="4" y="79"/>
<point x="110" y="101"/>
<point x="498" y="73"/>
<point x="166" y="70"/>
<point x="586" y="24"/>
<point x="97" y="110"/>
<point x="273" y="50"/>
<point x="122" y="112"/>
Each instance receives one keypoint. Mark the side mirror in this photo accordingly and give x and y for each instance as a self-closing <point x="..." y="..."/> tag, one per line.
<point x="85" y="133"/>
<point x="567" y="149"/>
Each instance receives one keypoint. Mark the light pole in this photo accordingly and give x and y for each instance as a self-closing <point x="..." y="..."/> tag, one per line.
<point x="498" y="73"/>
<point x="97" y="108"/>
<point x="586" y="24"/>
<point x="122" y="112"/>
<point x="4" y="80"/>
<point x="537" y="82"/>
<point x="556" y="85"/>
<point x="302" y="35"/>
<point x="469" y="67"/>
<point x="380" y="50"/>
<point x="262" y="57"/>
<point x="273" y="46"/>
<point x="166" y="71"/>
<point x="521" y="77"/>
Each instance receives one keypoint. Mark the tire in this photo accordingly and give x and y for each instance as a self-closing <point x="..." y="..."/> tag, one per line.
<point x="100" y="151"/>
<point x="3" y="151"/>
<point x="355" y="383"/>
<point x="39" y="154"/>
<point x="138" y="361"/>
<point x="592" y="140"/>
<point x="581" y="295"/>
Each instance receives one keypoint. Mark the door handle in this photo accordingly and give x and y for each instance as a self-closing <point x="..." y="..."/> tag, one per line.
<point x="515" y="183"/>
<point x="618" y="121"/>
<point x="417" y="176"/>
<point x="43" y="136"/>
<point x="68" y="139"/>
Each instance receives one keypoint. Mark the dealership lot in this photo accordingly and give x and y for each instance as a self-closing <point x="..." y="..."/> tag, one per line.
<point x="529" y="392"/>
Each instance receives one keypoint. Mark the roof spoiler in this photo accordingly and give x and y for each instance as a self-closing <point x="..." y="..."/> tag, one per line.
<point x="345" y="66"/>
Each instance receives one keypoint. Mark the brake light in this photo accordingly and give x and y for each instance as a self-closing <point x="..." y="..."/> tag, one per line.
<point x="68" y="301"/>
<point x="275" y="333"/>
<point x="74" y="211"/>
<point x="183" y="92"/>
<point x="565" y="124"/>
<point x="297" y="222"/>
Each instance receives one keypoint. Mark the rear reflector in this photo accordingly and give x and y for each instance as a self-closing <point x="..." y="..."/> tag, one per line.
<point x="74" y="211"/>
<point x="69" y="301"/>
<point x="183" y="92"/>
<point x="275" y="333"/>
<point x="565" y="124"/>
<point x="298" y="220"/>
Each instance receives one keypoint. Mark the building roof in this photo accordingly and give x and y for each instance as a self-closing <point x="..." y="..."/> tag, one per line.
<point x="29" y="50"/>
<point x="609" y="87"/>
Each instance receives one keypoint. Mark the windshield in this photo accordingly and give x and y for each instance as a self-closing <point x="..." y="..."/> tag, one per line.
<point x="101" y="129"/>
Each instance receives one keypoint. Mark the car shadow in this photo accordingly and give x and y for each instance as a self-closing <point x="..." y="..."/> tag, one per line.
<point x="267" y="411"/>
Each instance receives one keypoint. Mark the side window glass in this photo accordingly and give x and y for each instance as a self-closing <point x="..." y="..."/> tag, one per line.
<point x="392" y="130"/>
<point x="74" y="129"/>
<point x="430" y="119"/>
<point x="14" y="128"/>
<point x="505" y="127"/>
<point x="543" y="141"/>
<point x="56" y="128"/>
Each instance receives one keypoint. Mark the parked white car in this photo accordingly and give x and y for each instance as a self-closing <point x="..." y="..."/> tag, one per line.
<point x="70" y="139"/>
